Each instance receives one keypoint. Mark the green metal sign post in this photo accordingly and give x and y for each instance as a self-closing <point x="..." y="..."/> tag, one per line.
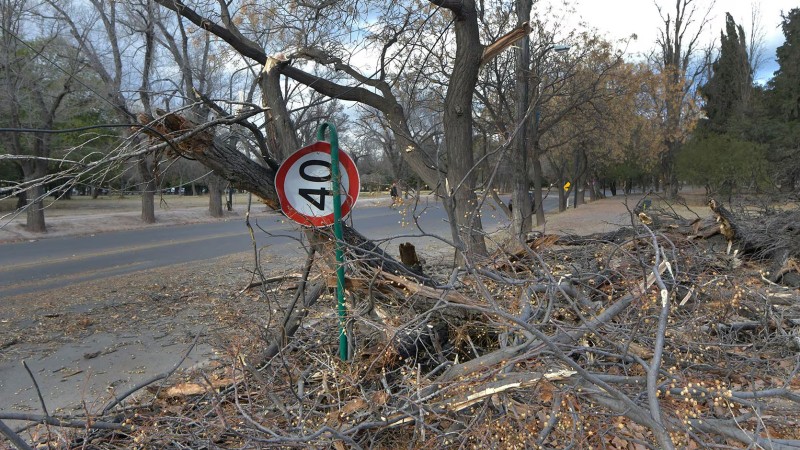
<point x="337" y="233"/>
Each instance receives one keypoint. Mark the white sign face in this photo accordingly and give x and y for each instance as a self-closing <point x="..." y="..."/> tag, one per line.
<point x="303" y="183"/>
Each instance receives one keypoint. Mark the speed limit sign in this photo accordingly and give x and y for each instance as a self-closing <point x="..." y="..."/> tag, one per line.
<point x="303" y="183"/>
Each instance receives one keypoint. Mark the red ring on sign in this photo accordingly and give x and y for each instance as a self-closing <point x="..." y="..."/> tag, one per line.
<point x="352" y="189"/>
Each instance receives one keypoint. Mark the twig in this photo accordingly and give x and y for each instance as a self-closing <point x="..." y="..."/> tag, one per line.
<point x="36" y="386"/>
<point x="268" y="281"/>
<point x="551" y="423"/>
<point x="14" y="438"/>
<point x="292" y="324"/>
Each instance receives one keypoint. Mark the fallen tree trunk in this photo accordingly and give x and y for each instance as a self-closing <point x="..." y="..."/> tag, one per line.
<point x="244" y="173"/>
<point x="774" y="238"/>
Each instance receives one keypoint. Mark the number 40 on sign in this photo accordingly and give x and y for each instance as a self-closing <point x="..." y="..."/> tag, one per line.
<point x="303" y="183"/>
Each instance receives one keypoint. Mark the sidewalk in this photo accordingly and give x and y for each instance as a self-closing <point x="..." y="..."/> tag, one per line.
<point x="599" y="216"/>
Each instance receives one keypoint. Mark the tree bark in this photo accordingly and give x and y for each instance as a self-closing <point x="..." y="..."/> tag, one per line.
<point x="579" y="177"/>
<point x="281" y="134"/>
<point x="521" y="214"/>
<point x="35" y="208"/>
<point x="458" y="126"/>
<point x="215" y="184"/>
<point x="537" y="181"/>
<point x="148" y="189"/>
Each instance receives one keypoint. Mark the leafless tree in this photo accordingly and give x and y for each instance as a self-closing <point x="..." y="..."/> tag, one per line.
<point x="678" y="45"/>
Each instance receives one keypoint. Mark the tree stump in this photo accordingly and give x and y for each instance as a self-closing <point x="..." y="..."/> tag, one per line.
<point x="408" y="256"/>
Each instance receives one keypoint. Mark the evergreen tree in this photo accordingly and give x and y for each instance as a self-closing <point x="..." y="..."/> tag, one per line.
<point x="786" y="82"/>
<point x="729" y="89"/>
<point x="784" y="102"/>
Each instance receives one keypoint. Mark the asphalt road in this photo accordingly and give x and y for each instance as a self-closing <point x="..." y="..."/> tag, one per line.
<point x="29" y="267"/>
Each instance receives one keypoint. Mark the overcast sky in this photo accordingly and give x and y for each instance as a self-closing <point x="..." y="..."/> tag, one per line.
<point x="622" y="18"/>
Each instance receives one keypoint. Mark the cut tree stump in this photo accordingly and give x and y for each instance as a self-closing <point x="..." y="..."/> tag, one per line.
<point x="408" y="256"/>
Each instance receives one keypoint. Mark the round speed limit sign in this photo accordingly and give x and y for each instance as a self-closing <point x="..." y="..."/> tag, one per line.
<point x="303" y="183"/>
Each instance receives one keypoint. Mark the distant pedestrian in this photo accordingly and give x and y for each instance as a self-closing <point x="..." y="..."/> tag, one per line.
<point x="395" y="193"/>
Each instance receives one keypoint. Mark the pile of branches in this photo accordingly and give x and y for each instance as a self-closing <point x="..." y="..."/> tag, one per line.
<point x="666" y="334"/>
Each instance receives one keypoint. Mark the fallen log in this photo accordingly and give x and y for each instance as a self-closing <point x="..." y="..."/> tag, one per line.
<point x="774" y="238"/>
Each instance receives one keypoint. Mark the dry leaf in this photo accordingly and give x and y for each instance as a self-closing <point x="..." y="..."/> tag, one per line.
<point x="379" y="398"/>
<point x="640" y="350"/>
<point x="546" y="392"/>
<point x="184" y="389"/>
<point x="352" y="406"/>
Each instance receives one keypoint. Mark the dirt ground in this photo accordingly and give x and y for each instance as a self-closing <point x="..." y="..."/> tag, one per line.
<point x="88" y="342"/>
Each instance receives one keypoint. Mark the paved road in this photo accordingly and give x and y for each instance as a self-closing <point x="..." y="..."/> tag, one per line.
<point x="28" y="267"/>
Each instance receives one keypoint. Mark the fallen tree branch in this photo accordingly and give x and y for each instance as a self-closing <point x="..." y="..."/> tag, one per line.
<point x="461" y="402"/>
<point x="427" y="291"/>
<point x="13" y="437"/>
<point x="733" y="430"/>
<point x="502" y="384"/>
<point x="67" y="423"/>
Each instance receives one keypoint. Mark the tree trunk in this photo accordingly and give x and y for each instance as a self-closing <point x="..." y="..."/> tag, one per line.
<point x="22" y="199"/>
<point x="595" y="192"/>
<point x="215" y="184"/>
<point x="458" y="128"/>
<point x="521" y="214"/>
<point x="669" y="177"/>
<point x="280" y="130"/>
<point x="579" y="177"/>
<point x="537" y="183"/>
<point x="32" y="171"/>
<point x="148" y="206"/>
<point x="35" y="209"/>
<point x="148" y="190"/>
